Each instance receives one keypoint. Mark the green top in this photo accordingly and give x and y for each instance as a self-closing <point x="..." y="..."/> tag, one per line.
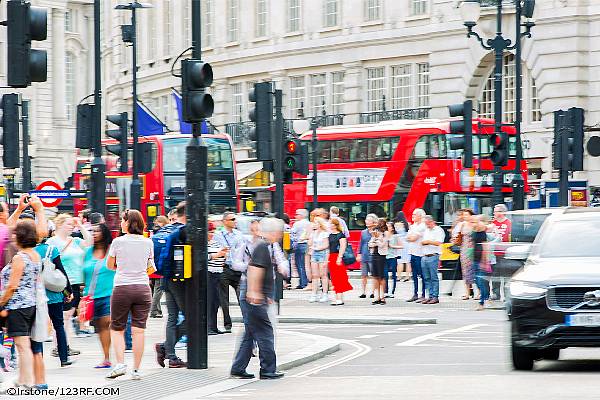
<point x="104" y="279"/>
<point x="71" y="257"/>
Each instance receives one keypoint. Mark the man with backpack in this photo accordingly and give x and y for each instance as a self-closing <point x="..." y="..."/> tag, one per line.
<point x="164" y="242"/>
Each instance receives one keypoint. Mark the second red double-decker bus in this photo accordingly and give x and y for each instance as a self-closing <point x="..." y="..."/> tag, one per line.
<point x="399" y="166"/>
<point x="164" y="186"/>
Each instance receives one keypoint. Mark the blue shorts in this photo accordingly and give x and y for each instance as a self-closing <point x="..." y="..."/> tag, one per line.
<point x="101" y="307"/>
<point x="37" y="347"/>
<point x="319" y="256"/>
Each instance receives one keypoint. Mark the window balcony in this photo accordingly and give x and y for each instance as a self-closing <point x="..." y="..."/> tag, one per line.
<point x="240" y="133"/>
<point x="390" y="115"/>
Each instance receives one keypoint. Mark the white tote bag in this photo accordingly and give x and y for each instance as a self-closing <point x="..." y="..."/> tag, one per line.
<point x="39" y="331"/>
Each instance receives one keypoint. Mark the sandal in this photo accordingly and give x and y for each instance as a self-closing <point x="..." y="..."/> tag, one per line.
<point x="465" y="297"/>
<point x="104" y="365"/>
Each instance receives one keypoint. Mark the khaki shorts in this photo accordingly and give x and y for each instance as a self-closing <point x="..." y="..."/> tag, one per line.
<point x="134" y="299"/>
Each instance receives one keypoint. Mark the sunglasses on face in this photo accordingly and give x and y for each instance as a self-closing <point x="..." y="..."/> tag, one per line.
<point x="230" y="219"/>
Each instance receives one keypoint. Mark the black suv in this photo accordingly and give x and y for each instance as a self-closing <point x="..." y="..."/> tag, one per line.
<point x="554" y="300"/>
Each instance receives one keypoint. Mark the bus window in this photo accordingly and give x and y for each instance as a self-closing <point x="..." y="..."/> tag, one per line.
<point x="512" y="146"/>
<point x="421" y="148"/>
<point x="359" y="151"/>
<point x="219" y="154"/>
<point x="355" y="213"/>
<point x="437" y="146"/>
<point x="325" y="151"/>
<point x="374" y="149"/>
<point x="342" y="150"/>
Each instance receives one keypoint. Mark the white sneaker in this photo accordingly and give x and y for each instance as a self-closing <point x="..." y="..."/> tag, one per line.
<point x="135" y="375"/>
<point x="324" y="298"/>
<point x="312" y="298"/>
<point x="118" y="370"/>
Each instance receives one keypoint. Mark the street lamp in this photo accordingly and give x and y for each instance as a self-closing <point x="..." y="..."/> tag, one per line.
<point x="129" y="36"/>
<point x="470" y="12"/>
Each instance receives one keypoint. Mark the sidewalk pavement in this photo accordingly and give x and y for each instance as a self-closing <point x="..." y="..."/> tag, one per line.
<point x="293" y="349"/>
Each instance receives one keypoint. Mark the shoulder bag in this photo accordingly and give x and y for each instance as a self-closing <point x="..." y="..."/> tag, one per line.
<point x="86" y="304"/>
<point x="348" y="258"/>
<point x="54" y="279"/>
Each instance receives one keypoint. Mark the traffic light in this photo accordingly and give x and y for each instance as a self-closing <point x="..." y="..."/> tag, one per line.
<point x="121" y="149"/>
<point x="463" y="127"/>
<point x="69" y="183"/>
<point x="10" y="130"/>
<point x="262" y="115"/>
<point x="570" y="124"/>
<point x="196" y="76"/>
<point x="145" y="152"/>
<point x="500" y="152"/>
<point x="85" y="119"/>
<point x="295" y="160"/>
<point x="25" y="24"/>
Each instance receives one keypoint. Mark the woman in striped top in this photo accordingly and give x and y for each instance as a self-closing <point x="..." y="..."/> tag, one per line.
<point x="216" y="261"/>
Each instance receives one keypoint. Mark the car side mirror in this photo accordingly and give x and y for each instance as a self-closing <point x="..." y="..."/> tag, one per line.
<point x="520" y="252"/>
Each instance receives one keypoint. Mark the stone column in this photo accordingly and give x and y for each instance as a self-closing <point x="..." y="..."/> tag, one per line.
<point x="353" y="91"/>
<point x="222" y="103"/>
<point x="58" y="66"/>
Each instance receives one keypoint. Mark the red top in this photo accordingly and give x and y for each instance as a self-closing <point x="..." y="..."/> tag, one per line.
<point x="504" y="229"/>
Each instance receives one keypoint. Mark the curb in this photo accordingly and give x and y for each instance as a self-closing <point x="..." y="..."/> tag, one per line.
<point x="350" y="321"/>
<point x="309" y="354"/>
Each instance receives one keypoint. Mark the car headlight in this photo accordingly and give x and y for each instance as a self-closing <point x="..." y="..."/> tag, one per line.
<point x="526" y="290"/>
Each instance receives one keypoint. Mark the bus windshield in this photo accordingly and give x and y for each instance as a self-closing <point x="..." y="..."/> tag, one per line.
<point x="220" y="156"/>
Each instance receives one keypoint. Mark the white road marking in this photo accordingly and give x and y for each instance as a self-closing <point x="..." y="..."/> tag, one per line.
<point x="385" y="332"/>
<point x="361" y="350"/>
<point x="403" y="329"/>
<point x="430" y="336"/>
<point x="366" y="337"/>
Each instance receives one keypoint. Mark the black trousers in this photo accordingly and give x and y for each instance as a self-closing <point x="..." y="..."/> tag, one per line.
<point x="229" y="278"/>
<point x="214" y="285"/>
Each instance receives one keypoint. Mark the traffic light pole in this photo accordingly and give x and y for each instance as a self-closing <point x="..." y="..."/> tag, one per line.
<point x="315" y="159"/>
<point x="98" y="190"/>
<point x="196" y="293"/>
<point x="26" y="160"/>
<point x="499" y="48"/>
<point x="518" y="184"/>
<point x="563" y="183"/>
<point x="136" y="186"/>
<point x="278" y="153"/>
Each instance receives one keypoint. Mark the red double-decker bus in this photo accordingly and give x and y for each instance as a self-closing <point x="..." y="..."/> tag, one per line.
<point x="164" y="186"/>
<point x="401" y="165"/>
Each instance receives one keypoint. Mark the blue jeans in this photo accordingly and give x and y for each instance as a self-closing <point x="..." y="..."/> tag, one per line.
<point x="257" y="328"/>
<point x="175" y="296"/>
<point x="415" y="262"/>
<point x="482" y="281"/>
<point x="299" y="258"/>
<point x="55" y="312"/>
<point x="429" y="266"/>
<point x="391" y="267"/>
<point x="128" y="342"/>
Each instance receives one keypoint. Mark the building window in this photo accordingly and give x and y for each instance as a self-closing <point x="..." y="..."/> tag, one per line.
<point x="237" y="102"/>
<point x="69" y="23"/>
<point x="318" y="87"/>
<point x="208" y="15"/>
<point x="293" y="20"/>
<point x="331" y="13"/>
<point x="536" y="108"/>
<point x="419" y="7"/>
<point x="261" y="18"/>
<point x="423" y="85"/>
<point x="486" y="102"/>
<point x="151" y="38"/>
<point x="375" y="89"/>
<point x="187" y="24"/>
<point x="337" y="92"/>
<point x="297" y="96"/>
<point x="70" y="86"/>
<point x="372" y="10"/>
<point x="233" y="20"/>
<point x="168" y="26"/>
<point x="401" y="86"/>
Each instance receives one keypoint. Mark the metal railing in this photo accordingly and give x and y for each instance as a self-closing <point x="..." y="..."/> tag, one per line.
<point x="240" y="133"/>
<point x="494" y="3"/>
<point x="390" y="115"/>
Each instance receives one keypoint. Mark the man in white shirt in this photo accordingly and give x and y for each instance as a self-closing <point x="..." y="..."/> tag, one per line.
<point x="300" y="244"/>
<point x="433" y="238"/>
<point x="334" y="213"/>
<point x="414" y="237"/>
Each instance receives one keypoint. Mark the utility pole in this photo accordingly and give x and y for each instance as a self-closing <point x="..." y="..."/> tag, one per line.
<point x="278" y="153"/>
<point x="196" y="176"/>
<point x="497" y="197"/>
<point x="26" y="160"/>
<point x="136" y="186"/>
<point x="98" y="189"/>
<point x="315" y="158"/>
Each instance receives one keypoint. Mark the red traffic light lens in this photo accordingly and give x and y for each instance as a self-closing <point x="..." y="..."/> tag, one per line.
<point x="291" y="147"/>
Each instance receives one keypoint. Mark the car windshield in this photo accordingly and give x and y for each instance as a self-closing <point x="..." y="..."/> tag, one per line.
<point x="571" y="238"/>
<point x="525" y="226"/>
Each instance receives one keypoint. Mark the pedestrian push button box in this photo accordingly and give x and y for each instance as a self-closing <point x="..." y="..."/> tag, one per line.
<point x="182" y="262"/>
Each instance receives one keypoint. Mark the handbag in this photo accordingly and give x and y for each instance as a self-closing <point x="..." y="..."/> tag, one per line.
<point x="348" y="258"/>
<point x="455" y="249"/>
<point x="86" y="304"/>
<point x="54" y="280"/>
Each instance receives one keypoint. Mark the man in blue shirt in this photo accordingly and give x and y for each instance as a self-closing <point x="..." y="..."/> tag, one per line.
<point x="364" y="255"/>
<point x="228" y="239"/>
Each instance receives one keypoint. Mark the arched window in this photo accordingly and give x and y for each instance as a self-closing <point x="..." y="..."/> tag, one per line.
<point x="70" y="100"/>
<point x="530" y="101"/>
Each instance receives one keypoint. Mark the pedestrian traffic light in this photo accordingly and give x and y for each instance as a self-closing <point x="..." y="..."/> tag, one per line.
<point x="464" y="128"/>
<point x="25" y="24"/>
<point x="568" y="139"/>
<point x="196" y="76"/>
<point x="500" y="149"/>
<point x="295" y="160"/>
<point x="262" y="116"/>
<point x="10" y="130"/>
<point x="85" y="120"/>
<point x="121" y="149"/>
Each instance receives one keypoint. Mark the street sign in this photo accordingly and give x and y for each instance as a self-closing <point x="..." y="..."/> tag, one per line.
<point x="50" y="190"/>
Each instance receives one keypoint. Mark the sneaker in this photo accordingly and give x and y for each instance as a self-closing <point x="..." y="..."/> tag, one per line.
<point x="161" y="354"/>
<point x="362" y="296"/>
<point x="135" y="375"/>
<point x="177" y="363"/>
<point x="324" y="298"/>
<point x="73" y="352"/>
<point x="181" y="345"/>
<point x="66" y="363"/>
<point x="387" y="296"/>
<point x="104" y="365"/>
<point x="119" y="370"/>
<point x="83" y="333"/>
<point x="337" y="303"/>
<point x="55" y="352"/>
<point x="129" y="350"/>
<point x="41" y="386"/>
<point x="312" y="298"/>
<point x="391" y="296"/>
<point x="372" y="296"/>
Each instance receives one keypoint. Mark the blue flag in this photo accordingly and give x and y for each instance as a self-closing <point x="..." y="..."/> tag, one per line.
<point x="148" y="123"/>
<point x="185" y="127"/>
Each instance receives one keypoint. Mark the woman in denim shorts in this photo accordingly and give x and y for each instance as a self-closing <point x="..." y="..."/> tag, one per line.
<point x="99" y="282"/>
<point x="319" y="244"/>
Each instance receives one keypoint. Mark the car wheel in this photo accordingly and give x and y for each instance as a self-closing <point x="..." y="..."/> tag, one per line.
<point x="550" y="354"/>
<point x="522" y="358"/>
